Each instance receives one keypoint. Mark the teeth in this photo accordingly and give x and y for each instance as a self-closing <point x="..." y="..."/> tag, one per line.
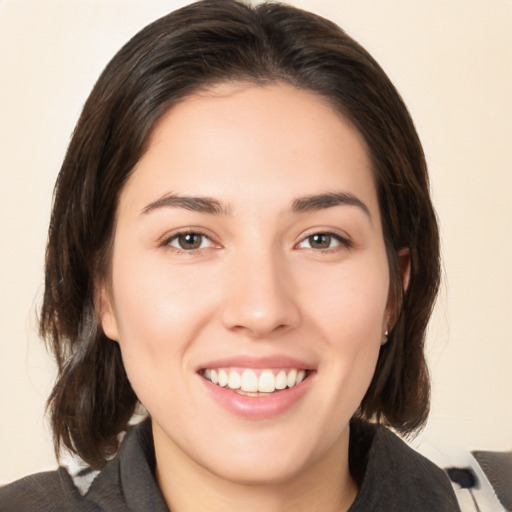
<point x="267" y="382"/>
<point x="281" y="380"/>
<point x="249" y="382"/>
<point x="234" y="380"/>
<point x="291" y="380"/>
<point x="223" y="378"/>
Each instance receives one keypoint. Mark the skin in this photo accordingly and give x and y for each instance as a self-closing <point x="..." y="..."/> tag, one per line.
<point x="257" y="286"/>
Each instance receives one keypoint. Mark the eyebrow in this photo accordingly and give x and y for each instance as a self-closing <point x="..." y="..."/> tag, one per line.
<point x="328" y="200"/>
<point x="203" y="204"/>
<point x="192" y="203"/>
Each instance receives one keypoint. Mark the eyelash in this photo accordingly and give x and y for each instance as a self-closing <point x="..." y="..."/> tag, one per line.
<point x="167" y="242"/>
<point x="340" y="241"/>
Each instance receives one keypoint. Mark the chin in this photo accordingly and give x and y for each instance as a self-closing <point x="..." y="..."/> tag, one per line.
<point x="258" y="470"/>
<point x="268" y="457"/>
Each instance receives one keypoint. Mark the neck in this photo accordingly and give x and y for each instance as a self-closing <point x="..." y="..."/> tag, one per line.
<point x="325" y="485"/>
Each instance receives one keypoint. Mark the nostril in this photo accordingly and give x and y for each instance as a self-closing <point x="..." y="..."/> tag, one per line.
<point x="260" y="306"/>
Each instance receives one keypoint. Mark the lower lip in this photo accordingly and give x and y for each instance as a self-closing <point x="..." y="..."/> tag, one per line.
<point x="259" y="407"/>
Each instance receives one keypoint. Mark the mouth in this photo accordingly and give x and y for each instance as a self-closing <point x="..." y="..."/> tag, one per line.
<point x="258" y="388"/>
<point x="255" y="382"/>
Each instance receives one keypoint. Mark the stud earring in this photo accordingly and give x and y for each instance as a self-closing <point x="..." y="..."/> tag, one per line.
<point x="386" y="336"/>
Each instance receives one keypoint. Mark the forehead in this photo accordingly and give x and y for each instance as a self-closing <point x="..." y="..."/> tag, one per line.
<point x="236" y="140"/>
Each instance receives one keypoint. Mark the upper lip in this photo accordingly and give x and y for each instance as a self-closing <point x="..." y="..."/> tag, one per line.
<point x="248" y="361"/>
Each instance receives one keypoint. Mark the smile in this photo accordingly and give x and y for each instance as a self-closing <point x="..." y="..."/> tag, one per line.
<point x="255" y="382"/>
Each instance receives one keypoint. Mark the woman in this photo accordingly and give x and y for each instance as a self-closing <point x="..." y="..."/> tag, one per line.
<point x="242" y="241"/>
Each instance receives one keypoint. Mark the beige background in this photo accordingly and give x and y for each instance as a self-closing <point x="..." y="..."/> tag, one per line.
<point x="451" y="60"/>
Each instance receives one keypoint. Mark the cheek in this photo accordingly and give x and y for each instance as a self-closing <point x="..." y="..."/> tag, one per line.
<point x="352" y="301"/>
<point x="158" y="315"/>
<point x="350" y="315"/>
<point x="150" y="297"/>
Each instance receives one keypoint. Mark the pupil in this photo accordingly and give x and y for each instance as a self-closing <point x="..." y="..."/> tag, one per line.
<point x="190" y="241"/>
<point x="320" y="241"/>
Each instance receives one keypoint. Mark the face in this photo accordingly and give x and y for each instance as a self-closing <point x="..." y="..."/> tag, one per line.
<point x="249" y="281"/>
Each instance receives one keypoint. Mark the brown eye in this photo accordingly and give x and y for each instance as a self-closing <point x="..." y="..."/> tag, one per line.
<point x="189" y="241"/>
<point x="324" y="241"/>
<point x="320" y="241"/>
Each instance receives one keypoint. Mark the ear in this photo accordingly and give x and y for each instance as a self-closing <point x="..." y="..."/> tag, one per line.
<point x="404" y="267"/>
<point x="404" y="270"/>
<point x="105" y="309"/>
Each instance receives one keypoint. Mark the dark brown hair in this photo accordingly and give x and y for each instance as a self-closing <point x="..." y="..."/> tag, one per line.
<point x="205" y="43"/>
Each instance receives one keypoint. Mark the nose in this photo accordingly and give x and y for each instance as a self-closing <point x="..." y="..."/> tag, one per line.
<point x="260" y="297"/>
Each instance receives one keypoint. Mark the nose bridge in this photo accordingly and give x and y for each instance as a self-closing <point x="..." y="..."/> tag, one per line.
<point x="259" y="297"/>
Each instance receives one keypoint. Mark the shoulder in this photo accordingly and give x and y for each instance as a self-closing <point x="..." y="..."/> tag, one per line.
<point x="42" y="492"/>
<point x="397" y="478"/>
<point x="126" y="482"/>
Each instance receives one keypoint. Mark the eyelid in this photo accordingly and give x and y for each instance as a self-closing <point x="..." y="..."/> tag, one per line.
<point x="165" y="241"/>
<point x="343" y="238"/>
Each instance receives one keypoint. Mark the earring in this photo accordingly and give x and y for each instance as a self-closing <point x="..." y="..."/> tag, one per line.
<point x="386" y="336"/>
